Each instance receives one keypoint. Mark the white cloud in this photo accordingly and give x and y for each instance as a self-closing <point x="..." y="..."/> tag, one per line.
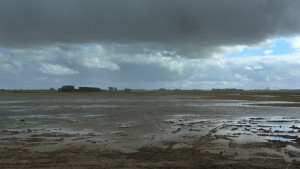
<point x="254" y="67"/>
<point x="167" y="62"/>
<point x="9" y="65"/>
<point x="93" y="62"/>
<point x="278" y="78"/>
<point x="294" y="73"/>
<point x="147" y="69"/>
<point x="264" y="44"/>
<point x="170" y="63"/>
<point x="95" y="57"/>
<point x="245" y="72"/>
<point x="241" y="77"/>
<point x="268" y="52"/>
<point x="57" y="69"/>
<point x="223" y="50"/>
<point x="295" y="42"/>
<point x="100" y="57"/>
<point x="164" y="61"/>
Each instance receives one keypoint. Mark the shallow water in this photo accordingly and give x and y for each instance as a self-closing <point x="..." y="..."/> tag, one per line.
<point x="128" y="123"/>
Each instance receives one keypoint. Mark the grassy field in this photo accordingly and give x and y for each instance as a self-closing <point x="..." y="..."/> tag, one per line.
<point x="284" y="96"/>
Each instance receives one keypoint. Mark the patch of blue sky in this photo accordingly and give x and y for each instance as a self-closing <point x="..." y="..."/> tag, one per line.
<point x="3" y="49"/>
<point x="247" y="52"/>
<point x="279" y="47"/>
<point x="282" y="47"/>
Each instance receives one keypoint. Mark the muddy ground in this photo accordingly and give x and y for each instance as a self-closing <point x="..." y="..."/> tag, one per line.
<point x="150" y="130"/>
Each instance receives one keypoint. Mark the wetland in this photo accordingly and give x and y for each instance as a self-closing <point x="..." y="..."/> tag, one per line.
<point x="150" y="130"/>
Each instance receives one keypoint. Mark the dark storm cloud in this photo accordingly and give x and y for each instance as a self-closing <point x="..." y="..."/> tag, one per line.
<point x="188" y="26"/>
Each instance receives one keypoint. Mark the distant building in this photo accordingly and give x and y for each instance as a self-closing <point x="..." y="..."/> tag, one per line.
<point x="112" y="89"/>
<point x="67" y="88"/>
<point x="89" y="89"/>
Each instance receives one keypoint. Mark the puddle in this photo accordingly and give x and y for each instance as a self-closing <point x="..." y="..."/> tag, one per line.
<point x="234" y="127"/>
<point x="265" y="96"/>
<point x="127" y="124"/>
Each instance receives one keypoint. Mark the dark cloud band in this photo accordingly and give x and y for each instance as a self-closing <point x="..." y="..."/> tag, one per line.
<point x="188" y="26"/>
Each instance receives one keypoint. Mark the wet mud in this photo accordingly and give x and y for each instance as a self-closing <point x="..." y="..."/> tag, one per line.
<point x="90" y="131"/>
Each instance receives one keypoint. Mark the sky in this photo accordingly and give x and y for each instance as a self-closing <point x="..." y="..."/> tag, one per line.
<point x="150" y="44"/>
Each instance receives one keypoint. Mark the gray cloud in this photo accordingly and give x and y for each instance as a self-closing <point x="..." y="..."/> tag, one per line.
<point x="57" y="69"/>
<point x="54" y="67"/>
<point x="195" y="28"/>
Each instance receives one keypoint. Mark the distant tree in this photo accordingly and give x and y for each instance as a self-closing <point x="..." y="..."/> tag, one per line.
<point x="127" y="90"/>
<point x="112" y="89"/>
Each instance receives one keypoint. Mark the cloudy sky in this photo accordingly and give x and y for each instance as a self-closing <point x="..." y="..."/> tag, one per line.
<point x="186" y="44"/>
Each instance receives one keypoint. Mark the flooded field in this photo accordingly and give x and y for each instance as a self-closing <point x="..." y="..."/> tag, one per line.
<point x="147" y="130"/>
